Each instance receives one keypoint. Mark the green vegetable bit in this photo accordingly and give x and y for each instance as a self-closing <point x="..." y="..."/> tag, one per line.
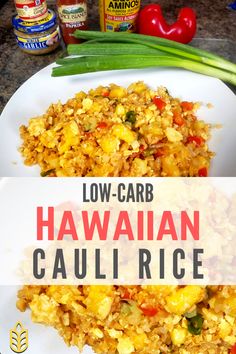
<point x="191" y="314"/>
<point x="47" y="173"/>
<point x="131" y="117"/>
<point x="148" y="152"/>
<point x="195" y="324"/>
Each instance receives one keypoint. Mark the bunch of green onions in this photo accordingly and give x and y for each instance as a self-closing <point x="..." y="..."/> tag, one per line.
<point x="113" y="51"/>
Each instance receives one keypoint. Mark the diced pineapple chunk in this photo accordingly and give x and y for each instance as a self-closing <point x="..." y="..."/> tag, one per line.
<point x="224" y="329"/>
<point x="154" y="129"/>
<point x="137" y="87"/>
<point x="96" y="332"/>
<point x="159" y="290"/>
<point x="124" y="133"/>
<point x="125" y="346"/>
<point x="96" y="107"/>
<point x="183" y="299"/>
<point x="117" y="92"/>
<point x="139" y="341"/>
<point x="230" y="306"/>
<point x="230" y="320"/>
<point x="36" y="126"/>
<point x="98" y="301"/>
<point x="104" y="307"/>
<point x="88" y="147"/>
<point x="71" y="136"/>
<point x="109" y="143"/>
<point x="80" y="95"/>
<point x="101" y="170"/>
<point x="66" y="319"/>
<point x="173" y="135"/>
<point x="69" y="111"/>
<point x="178" y="336"/>
<point x="169" y="166"/>
<point x="231" y="340"/>
<point x="64" y="294"/>
<point x="87" y="103"/>
<point x="209" y="315"/>
<point x="44" y="309"/>
<point x="120" y="110"/>
<point x="113" y="333"/>
<point x="199" y="124"/>
<point x="48" y="139"/>
<point x="227" y="305"/>
<point x="139" y="167"/>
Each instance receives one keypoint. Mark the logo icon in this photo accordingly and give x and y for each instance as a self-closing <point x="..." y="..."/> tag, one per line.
<point x="19" y="338"/>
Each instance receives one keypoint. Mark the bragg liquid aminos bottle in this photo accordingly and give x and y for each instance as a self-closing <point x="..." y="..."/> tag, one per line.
<point x="72" y="16"/>
<point x="118" y="15"/>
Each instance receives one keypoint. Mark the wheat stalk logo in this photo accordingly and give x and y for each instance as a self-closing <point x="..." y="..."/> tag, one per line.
<point x="18" y="338"/>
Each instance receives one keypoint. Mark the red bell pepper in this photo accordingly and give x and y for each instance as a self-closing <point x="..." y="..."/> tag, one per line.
<point x="233" y="349"/>
<point x="198" y="140"/>
<point x="187" y="106"/>
<point x="102" y="125"/>
<point x="203" y="173"/>
<point x="151" y="22"/>
<point x="159" y="103"/>
<point x="126" y="295"/>
<point x="178" y="118"/>
<point x="149" y="311"/>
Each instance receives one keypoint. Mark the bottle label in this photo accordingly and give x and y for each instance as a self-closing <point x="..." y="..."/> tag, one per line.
<point x="73" y="13"/>
<point x="119" y="15"/>
<point x="38" y="43"/>
<point x="33" y="10"/>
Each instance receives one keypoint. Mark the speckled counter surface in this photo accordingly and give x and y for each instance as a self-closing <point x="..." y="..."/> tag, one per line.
<point x="214" y="22"/>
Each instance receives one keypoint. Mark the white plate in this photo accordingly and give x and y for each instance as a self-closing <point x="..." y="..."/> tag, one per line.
<point x="36" y="94"/>
<point x="42" y="339"/>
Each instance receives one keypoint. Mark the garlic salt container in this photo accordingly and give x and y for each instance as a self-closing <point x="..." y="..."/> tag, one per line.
<point x="38" y="37"/>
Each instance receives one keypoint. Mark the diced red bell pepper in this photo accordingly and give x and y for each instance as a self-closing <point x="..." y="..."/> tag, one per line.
<point x="178" y="118"/>
<point x="159" y="103"/>
<point x="106" y="93"/>
<point x="160" y="152"/>
<point x="233" y="349"/>
<point x="186" y="106"/>
<point x="102" y="125"/>
<point x="149" y="311"/>
<point x="135" y="154"/>
<point x="203" y="173"/>
<point x="126" y="295"/>
<point x="141" y="151"/>
<point x="89" y="135"/>
<point x="198" y="140"/>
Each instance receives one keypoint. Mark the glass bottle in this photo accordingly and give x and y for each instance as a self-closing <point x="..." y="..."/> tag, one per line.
<point x="72" y="16"/>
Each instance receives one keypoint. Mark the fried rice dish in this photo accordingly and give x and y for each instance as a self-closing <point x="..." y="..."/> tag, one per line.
<point x="134" y="131"/>
<point x="138" y="319"/>
<point x="117" y="131"/>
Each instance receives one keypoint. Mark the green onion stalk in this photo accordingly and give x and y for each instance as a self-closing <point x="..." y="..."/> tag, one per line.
<point x="114" y="51"/>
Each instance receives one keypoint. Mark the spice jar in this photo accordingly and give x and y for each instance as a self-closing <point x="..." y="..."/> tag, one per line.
<point x="31" y="10"/>
<point x="37" y="38"/>
<point x="72" y="16"/>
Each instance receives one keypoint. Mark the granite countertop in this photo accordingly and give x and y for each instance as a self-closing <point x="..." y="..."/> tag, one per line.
<point x="216" y="32"/>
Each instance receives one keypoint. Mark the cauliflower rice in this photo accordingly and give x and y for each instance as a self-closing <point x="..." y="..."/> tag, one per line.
<point x="114" y="131"/>
<point x="138" y="319"/>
